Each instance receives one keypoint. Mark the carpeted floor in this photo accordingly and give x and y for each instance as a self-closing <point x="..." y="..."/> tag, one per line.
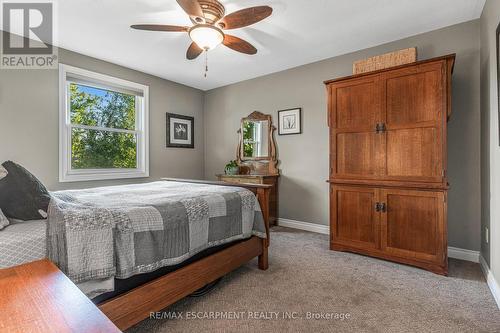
<point x="360" y="294"/>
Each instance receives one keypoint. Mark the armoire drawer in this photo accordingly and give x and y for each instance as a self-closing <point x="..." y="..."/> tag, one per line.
<point x="247" y="180"/>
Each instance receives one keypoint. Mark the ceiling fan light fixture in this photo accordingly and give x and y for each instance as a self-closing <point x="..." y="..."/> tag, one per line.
<point x="206" y="36"/>
<point x="210" y="22"/>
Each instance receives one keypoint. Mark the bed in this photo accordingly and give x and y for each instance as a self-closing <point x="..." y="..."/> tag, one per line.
<point x="136" y="249"/>
<point x="22" y="242"/>
<point x="224" y="226"/>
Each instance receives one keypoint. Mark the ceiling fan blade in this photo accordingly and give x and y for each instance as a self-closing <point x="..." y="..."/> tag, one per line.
<point x="245" y="17"/>
<point x="159" y="27"/>
<point x="239" y="45"/>
<point x="193" y="51"/>
<point x="193" y="9"/>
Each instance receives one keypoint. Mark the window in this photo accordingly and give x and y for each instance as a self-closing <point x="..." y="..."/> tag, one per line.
<point x="103" y="127"/>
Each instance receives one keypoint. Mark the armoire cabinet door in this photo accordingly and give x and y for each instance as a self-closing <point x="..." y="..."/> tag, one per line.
<point x="356" y="109"/>
<point x="358" y="155"/>
<point x="354" y="219"/>
<point x="415" y="113"/>
<point x="414" y="224"/>
<point x="414" y="154"/>
<point x="357" y="105"/>
<point x="415" y="96"/>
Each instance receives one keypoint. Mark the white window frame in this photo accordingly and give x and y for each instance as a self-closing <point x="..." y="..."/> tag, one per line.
<point x="258" y="139"/>
<point x="66" y="173"/>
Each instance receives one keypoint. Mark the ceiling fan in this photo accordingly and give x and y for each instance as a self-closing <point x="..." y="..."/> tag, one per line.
<point x="209" y="22"/>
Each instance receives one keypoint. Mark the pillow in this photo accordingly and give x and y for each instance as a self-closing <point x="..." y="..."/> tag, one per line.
<point x="3" y="172"/>
<point x="22" y="195"/>
<point x="3" y="220"/>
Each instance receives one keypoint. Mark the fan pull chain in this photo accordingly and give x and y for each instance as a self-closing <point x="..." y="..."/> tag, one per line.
<point x="206" y="63"/>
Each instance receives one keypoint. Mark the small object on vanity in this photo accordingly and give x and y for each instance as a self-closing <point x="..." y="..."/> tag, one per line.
<point x="290" y="121"/>
<point x="245" y="170"/>
<point x="180" y="131"/>
<point x="232" y="168"/>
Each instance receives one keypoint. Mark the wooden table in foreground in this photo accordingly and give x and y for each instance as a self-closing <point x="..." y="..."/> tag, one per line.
<point x="38" y="297"/>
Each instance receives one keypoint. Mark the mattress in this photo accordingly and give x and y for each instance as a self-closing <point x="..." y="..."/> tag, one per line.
<point x="22" y="242"/>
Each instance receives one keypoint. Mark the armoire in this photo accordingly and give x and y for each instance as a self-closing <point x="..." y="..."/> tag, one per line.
<point x="388" y="179"/>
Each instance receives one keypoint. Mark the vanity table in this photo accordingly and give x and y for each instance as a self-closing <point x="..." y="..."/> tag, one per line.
<point x="256" y="157"/>
<point x="259" y="179"/>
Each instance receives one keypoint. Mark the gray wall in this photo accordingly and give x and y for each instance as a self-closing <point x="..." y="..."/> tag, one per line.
<point x="304" y="158"/>
<point x="29" y="125"/>
<point x="29" y="121"/>
<point x="490" y="158"/>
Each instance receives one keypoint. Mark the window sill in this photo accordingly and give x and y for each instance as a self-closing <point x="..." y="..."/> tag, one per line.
<point x="103" y="175"/>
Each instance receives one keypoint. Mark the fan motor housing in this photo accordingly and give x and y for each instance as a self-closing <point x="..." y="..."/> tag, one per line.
<point x="213" y="10"/>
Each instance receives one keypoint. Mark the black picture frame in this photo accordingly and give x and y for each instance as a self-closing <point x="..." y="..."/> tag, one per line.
<point x="280" y="121"/>
<point x="497" y="34"/>
<point x="172" y="142"/>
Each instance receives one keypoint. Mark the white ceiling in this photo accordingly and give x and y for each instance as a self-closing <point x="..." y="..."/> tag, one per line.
<point x="298" y="32"/>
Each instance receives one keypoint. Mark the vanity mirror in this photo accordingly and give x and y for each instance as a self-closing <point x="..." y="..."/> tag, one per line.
<point x="256" y="147"/>
<point x="255" y="139"/>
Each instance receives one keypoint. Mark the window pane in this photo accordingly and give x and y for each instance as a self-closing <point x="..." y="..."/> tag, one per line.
<point x="92" y="149"/>
<point x="102" y="108"/>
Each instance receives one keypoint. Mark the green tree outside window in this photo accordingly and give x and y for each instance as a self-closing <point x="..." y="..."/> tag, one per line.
<point x="248" y="139"/>
<point x="96" y="148"/>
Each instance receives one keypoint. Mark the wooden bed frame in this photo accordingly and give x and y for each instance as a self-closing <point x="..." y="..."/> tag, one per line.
<point x="136" y="305"/>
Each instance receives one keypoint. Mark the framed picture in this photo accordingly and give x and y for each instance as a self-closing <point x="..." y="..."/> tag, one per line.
<point x="180" y="131"/>
<point x="290" y="121"/>
<point x="497" y="34"/>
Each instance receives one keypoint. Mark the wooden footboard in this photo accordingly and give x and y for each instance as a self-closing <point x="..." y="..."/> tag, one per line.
<point x="136" y="305"/>
<point x="130" y="308"/>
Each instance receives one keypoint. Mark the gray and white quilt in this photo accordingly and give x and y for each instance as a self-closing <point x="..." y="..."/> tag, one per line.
<point x="121" y="231"/>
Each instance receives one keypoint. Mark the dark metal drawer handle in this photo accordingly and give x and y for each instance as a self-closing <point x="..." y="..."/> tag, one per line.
<point x="380" y="207"/>
<point x="380" y="128"/>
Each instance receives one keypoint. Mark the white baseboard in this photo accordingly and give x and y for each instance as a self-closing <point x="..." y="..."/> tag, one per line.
<point x="490" y="279"/>
<point x="307" y="226"/>
<point x="463" y="254"/>
<point x="453" y="252"/>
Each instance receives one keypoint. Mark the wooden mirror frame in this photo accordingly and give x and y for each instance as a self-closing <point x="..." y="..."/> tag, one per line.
<point x="259" y="165"/>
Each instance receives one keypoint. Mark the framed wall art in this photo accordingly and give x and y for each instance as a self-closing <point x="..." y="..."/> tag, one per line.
<point x="180" y="131"/>
<point x="290" y="121"/>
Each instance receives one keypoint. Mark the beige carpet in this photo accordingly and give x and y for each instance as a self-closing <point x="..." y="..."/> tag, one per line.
<point x="371" y="295"/>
